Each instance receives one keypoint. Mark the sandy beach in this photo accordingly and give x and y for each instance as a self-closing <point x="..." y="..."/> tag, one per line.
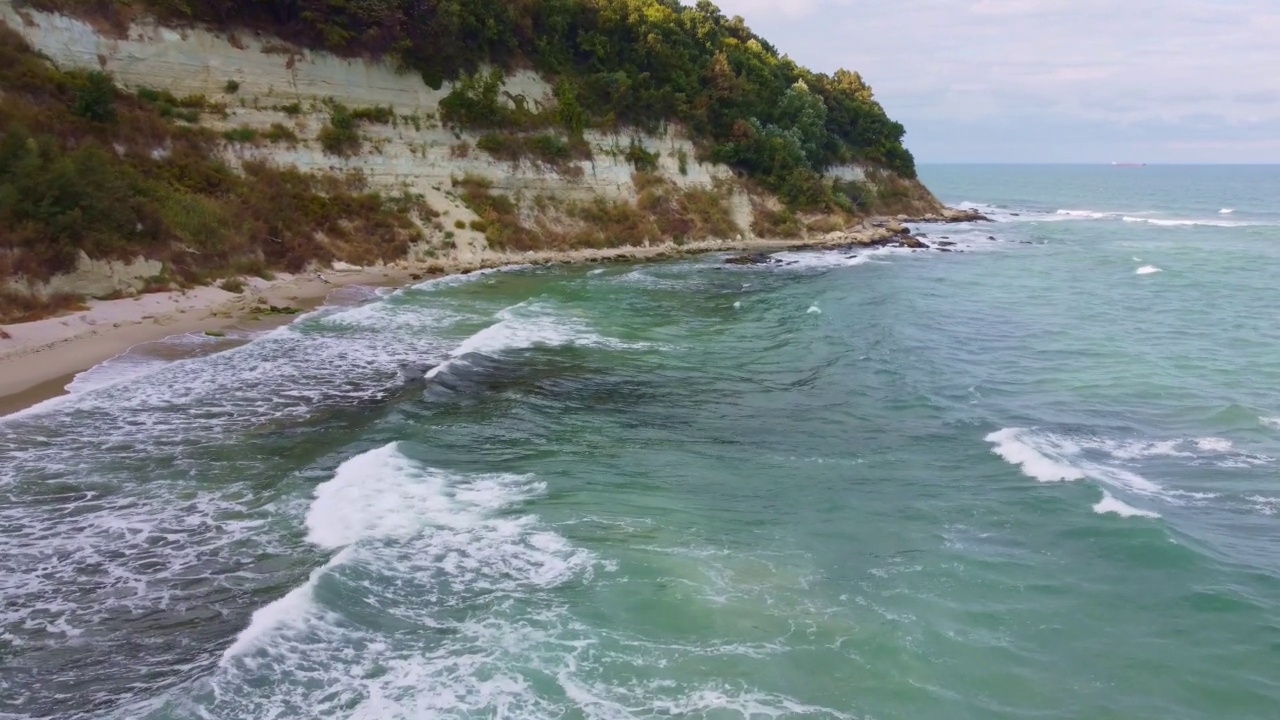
<point x="40" y="358"/>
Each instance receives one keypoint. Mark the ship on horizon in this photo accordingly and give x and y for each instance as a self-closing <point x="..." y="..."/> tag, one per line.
<point x="1128" y="164"/>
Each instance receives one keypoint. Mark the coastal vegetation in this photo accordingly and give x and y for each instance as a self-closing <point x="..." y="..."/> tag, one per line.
<point x="90" y="169"/>
<point x="661" y="211"/>
<point x="87" y="168"/>
<point x="613" y="63"/>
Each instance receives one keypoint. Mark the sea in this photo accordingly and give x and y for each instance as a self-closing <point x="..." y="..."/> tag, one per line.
<point x="1037" y="476"/>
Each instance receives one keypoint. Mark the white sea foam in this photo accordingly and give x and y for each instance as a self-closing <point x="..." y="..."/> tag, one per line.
<point x="1215" y="444"/>
<point x="997" y="213"/>
<point x="814" y="310"/>
<point x="1048" y="456"/>
<point x="1187" y="222"/>
<point x="1086" y="214"/>
<point x="1152" y="218"/>
<point x="1109" y="504"/>
<point x="1147" y="270"/>
<point x="376" y="494"/>
<point x="959" y="239"/>
<point x="1197" y="451"/>
<point x="1226" y="211"/>
<point x="1271" y="422"/>
<point x="391" y="515"/>
<point x="1265" y="505"/>
<point x="737" y="305"/>
<point x="1010" y="444"/>
<point x="135" y="363"/>
<point x="1137" y="449"/>
<point x="290" y="610"/>
<point x="446" y="281"/>
<point x="526" y="325"/>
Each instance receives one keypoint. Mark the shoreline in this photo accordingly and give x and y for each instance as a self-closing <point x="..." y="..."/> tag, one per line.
<point x="41" y="357"/>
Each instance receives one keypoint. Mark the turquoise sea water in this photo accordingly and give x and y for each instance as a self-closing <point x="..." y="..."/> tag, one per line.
<point x="1039" y="478"/>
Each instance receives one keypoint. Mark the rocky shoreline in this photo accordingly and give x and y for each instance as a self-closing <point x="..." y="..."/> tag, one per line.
<point x="879" y="232"/>
<point x="38" y="358"/>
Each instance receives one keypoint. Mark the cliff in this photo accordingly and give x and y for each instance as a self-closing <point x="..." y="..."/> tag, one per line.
<point x="474" y="192"/>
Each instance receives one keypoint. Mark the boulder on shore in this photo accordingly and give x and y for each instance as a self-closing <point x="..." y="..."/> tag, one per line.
<point x="758" y="258"/>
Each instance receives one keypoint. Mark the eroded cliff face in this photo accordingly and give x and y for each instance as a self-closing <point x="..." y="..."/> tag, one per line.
<point x="276" y="84"/>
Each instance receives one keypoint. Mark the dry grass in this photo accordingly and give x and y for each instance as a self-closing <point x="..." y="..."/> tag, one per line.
<point x="895" y="195"/>
<point x="695" y="213"/>
<point x="125" y="180"/>
<point x="17" y="307"/>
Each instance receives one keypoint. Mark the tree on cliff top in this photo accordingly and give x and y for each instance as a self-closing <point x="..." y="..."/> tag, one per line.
<point x="637" y="63"/>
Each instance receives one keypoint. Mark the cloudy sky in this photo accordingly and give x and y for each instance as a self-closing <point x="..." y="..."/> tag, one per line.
<point x="1052" y="80"/>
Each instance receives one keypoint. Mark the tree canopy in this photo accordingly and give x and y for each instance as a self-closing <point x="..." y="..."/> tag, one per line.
<point x="621" y="62"/>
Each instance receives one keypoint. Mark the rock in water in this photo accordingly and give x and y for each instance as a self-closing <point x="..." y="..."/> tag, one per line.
<point x="752" y="259"/>
<point x="415" y="372"/>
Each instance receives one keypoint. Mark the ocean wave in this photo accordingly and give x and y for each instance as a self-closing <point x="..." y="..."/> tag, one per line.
<point x="1265" y="505"/>
<point x="443" y="558"/>
<point x="1055" y="457"/>
<point x="1147" y="270"/>
<point x="334" y="355"/>
<point x="529" y="324"/>
<point x="1086" y="214"/>
<point x="1109" y="504"/>
<point x="1011" y="445"/>
<point x="382" y="495"/>
<point x="1182" y="222"/>
<point x="133" y="364"/>
<point x="1199" y="451"/>
<point x="997" y="213"/>
<point x="1153" y="218"/>
<point x="958" y="239"/>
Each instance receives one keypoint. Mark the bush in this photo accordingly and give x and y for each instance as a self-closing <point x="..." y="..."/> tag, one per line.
<point x="473" y="102"/>
<point x="232" y="285"/>
<point x="376" y="114"/>
<point x="143" y="185"/>
<point x="231" y="88"/>
<point x="242" y="134"/>
<point x="341" y="136"/>
<point x="551" y="149"/>
<point x="546" y="148"/>
<point x="96" y="98"/>
<point x="278" y="133"/>
<point x="641" y="64"/>
<point x="642" y="160"/>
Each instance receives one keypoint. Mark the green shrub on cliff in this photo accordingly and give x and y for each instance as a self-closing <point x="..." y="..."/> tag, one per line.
<point x="96" y="98"/>
<point x="73" y="180"/>
<point x="342" y="135"/>
<point x="634" y="63"/>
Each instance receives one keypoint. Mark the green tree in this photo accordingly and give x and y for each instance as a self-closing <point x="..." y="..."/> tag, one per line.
<point x="96" y="97"/>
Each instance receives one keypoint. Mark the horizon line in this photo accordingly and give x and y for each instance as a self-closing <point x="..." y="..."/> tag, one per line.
<point x="1098" y="163"/>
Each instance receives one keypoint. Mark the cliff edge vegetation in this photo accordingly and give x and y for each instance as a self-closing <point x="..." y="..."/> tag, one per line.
<point x="180" y="142"/>
<point x="629" y="63"/>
